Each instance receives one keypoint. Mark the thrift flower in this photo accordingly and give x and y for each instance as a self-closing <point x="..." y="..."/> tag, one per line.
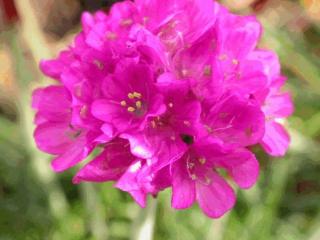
<point x="170" y="96"/>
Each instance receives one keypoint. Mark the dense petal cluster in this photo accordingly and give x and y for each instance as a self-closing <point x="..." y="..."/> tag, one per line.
<point x="168" y="95"/>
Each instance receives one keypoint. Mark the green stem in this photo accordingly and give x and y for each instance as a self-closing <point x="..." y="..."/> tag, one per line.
<point x="143" y="227"/>
<point x="95" y="212"/>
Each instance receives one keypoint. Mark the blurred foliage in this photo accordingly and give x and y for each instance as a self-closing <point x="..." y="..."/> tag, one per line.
<point x="38" y="204"/>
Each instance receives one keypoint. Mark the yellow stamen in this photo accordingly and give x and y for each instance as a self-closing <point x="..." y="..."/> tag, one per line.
<point x="223" y="57"/>
<point x="190" y="165"/>
<point x="111" y="36"/>
<point x="131" y="109"/>
<point x="126" y="22"/>
<point x="207" y="71"/>
<point x="130" y="95"/>
<point x="202" y="160"/>
<point x="137" y="95"/>
<point x="138" y="104"/>
<point x="208" y="128"/>
<point x="235" y="61"/>
<point x="99" y="64"/>
<point x="123" y="103"/>
<point x="193" y="177"/>
<point x="207" y="180"/>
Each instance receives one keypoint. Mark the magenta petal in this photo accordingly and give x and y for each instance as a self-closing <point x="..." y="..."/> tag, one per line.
<point x="140" y="198"/>
<point x="270" y="62"/>
<point x="75" y="153"/>
<point x="95" y="171"/>
<point x="157" y="107"/>
<point x="236" y="121"/>
<point x="276" y="140"/>
<point x="123" y="10"/>
<point x="109" y="165"/>
<point x="108" y="130"/>
<point x="53" y="103"/>
<point x="104" y="110"/>
<point x="216" y="198"/>
<point x="87" y="21"/>
<point x="238" y="35"/>
<point x="243" y="167"/>
<point x="110" y="112"/>
<point x="183" y="188"/>
<point x="156" y="12"/>
<point x="129" y="182"/>
<point x="278" y="105"/>
<point x="167" y="153"/>
<point x="251" y="77"/>
<point x="149" y="45"/>
<point x="53" y="138"/>
<point x="44" y="98"/>
<point x="140" y="147"/>
<point x="54" y="68"/>
<point x="94" y="38"/>
<point x="201" y="13"/>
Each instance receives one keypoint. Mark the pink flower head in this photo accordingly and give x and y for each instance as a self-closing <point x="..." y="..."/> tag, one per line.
<point x="170" y="94"/>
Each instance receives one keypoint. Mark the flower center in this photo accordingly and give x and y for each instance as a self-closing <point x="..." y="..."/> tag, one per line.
<point x="195" y="167"/>
<point x="134" y="104"/>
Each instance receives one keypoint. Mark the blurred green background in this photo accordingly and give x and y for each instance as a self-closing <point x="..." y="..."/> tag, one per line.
<point x="36" y="203"/>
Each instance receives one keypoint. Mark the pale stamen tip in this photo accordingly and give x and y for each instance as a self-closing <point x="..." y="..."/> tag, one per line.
<point x="193" y="177"/>
<point x="131" y="109"/>
<point x="202" y="160"/>
<point x="137" y="94"/>
<point x="130" y="96"/>
<point x="138" y="104"/>
<point x="235" y="61"/>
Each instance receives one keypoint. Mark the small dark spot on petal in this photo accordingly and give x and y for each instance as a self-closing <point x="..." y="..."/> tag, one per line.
<point x="187" y="139"/>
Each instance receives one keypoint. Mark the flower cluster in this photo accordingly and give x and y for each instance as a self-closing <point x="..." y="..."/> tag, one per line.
<point x="173" y="95"/>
